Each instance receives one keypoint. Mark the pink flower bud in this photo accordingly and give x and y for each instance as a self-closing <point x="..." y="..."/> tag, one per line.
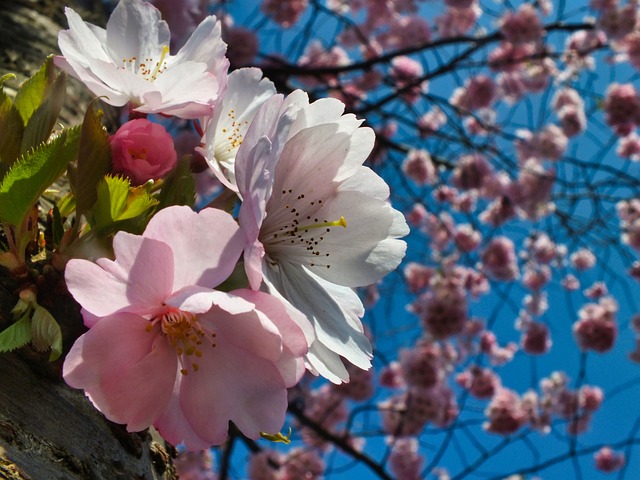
<point x="142" y="151"/>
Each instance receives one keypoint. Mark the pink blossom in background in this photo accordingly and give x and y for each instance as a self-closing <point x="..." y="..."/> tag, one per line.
<point x="417" y="276"/>
<point x="535" y="338"/>
<point x="522" y="26"/>
<point x="481" y="382"/>
<point x="130" y="61"/>
<point x="617" y="22"/>
<point x="266" y="465"/>
<point x="505" y="413"/>
<point x="570" y="282"/>
<point x="606" y="460"/>
<point x="509" y="57"/>
<point x="303" y="464"/>
<point x="471" y="171"/>
<point x="404" y="32"/>
<point x="596" y="328"/>
<point x="499" y="259"/>
<point x="419" y="167"/>
<point x="457" y="21"/>
<point x="242" y="45"/>
<point x="182" y="16"/>
<point x="195" y="465"/>
<point x="583" y="259"/>
<point x="405" y="461"/>
<point x="284" y="12"/>
<point x="164" y="349"/>
<point x="629" y="147"/>
<point x="142" y="151"/>
<point x="431" y="122"/>
<point x="622" y="107"/>
<point x="422" y="365"/>
<point x="631" y="46"/>
<point x="477" y="92"/>
<point x="407" y="72"/>
<point x="442" y="309"/>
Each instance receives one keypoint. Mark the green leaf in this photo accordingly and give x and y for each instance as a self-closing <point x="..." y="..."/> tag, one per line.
<point x="118" y="203"/>
<point x="33" y="173"/>
<point x="34" y="90"/>
<point x="179" y="187"/>
<point x="12" y="129"/>
<point x="67" y="205"/>
<point x="43" y="119"/>
<point x="16" y="336"/>
<point x="94" y="159"/>
<point x="46" y="333"/>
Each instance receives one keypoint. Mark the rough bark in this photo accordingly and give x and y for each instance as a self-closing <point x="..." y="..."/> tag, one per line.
<point x="48" y="430"/>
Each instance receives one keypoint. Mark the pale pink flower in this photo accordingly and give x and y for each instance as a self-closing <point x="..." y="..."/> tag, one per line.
<point x="142" y="151"/>
<point x="634" y="270"/>
<point x="631" y="45"/>
<point x="505" y="413"/>
<point x="532" y="191"/>
<point x="583" y="259"/>
<point x="603" y="4"/>
<point x="406" y="72"/>
<point x="466" y="237"/>
<point x="242" y="45"/>
<point x="499" y="259"/>
<point x="266" y="465"/>
<point x="566" y="97"/>
<point x="548" y="143"/>
<point x="130" y="61"/>
<point x="312" y="197"/>
<point x="417" y="276"/>
<point x="511" y="86"/>
<point x="391" y="376"/>
<point x="405" y="461"/>
<point x="590" y="398"/>
<point x="443" y="309"/>
<point x="578" y="49"/>
<point x="536" y="276"/>
<point x="303" y="464"/>
<point x="522" y="26"/>
<point x="570" y="282"/>
<point x="542" y="248"/>
<point x="573" y="120"/>
<point x="477" y="92"/>
<point x="431" y="122"/>
<point x="618" y="22"/>
<point x="622" y="107"/>
<point x="606" y="460"/>
<point x="510" y="57"/>
<point x="596" y="328"/>
<point x="360" y="386"/>
<point x="481" y="382"/>
<point x="458" y="21"/>
<point x="284" y="12"/>
<point x="422" y="365"/>
<point x="419" y="167"/>
<point x="164" y="349"/>
<point x="629" y="147"/>
<point x="418" y="215"/>
<point x="405" y="31"/>
<point x="195" y="465"/>
<point x="224" y="131"/>
<point x="182" y="16"/>
<point x="471" y="171"/>
<point x="535" y="338"/>
<point x="317" y="56"/>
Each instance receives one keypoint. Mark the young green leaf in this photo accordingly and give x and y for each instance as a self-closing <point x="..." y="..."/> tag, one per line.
<point x="46" y="333"/>
<point x="33" y="173"/>
<point x="34" y="90"/>
<point x="94" y="159"/>
<point x="43" y="118"/>
<point x="16" y="336"/>
<point x="117" y="203"/>
<point x="12" y="129"/>
<point x="179" y="187"/>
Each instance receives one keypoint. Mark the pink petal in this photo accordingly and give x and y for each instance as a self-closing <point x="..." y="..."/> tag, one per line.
<point x="195" y="299"/>
<point x="206" y="248"/>
<point x="126" y="371"/>
<point x="234" y="385"/>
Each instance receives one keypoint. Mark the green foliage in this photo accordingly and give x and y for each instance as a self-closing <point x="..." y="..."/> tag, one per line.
<point x="34" y="90"/>
<point x="16" y="336"/>
<point x="33" y="173"/>
<point x="120" y="207"/>
<point x="46" y="333"/>
<point x="11" y="130"/>
<point x="179" y="186"/>
<point x="94" y="160"/>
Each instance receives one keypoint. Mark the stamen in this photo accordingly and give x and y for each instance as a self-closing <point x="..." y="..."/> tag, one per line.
<point x="337" y="223"/>
<point x="160" y="64"/>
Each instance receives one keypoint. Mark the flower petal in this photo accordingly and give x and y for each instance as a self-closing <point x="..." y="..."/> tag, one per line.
<point x="127" y="371"/>
<point x="207" y="248"/>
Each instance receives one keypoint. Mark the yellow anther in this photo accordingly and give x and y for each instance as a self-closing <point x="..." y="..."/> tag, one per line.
<point x="337" y="223"/>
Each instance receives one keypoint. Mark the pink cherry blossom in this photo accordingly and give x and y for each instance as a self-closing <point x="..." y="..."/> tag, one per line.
<point x="417" y="276"/>
<point x="481" y="382"/>
<point x="622" y="107"/>
<point x="130" y="61"/>
<point x="266" y="465"/>
<point x="522" y="26"/>
<point x="477" y="92"/>
<point x="631" y="46"/>
<point x="629" y="147"/>
<point x="195" y="465"/>
<point x="618" y="22"/>
<point x="142" y="151"/>
<point x="458" y="21"/>
<point x="303" y="464"/>
<point x="431" y="122"/>
<point x="505" y="413"/>
<point x="314" y="198"/>
<point x="183" y="16"/>
<point x="471" y="171"/>
<point x="163" y="349"/>
<point x="535" y="338"/>
<point x="596" y="328"/>
<point x="284" y="12"/>
<point x="499" y="259"/>
<point x="419" y="167"/>
<point x="606" y="460"/>
<point x="443" y="309"/>
<point x="583" y="259"/>
<point x="406" y="72"/>
<point x="421" y="365"/>
<point x="405" y="461"/>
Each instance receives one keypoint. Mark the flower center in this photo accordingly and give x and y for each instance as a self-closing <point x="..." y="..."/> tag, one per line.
<point x="147" y="68"/>
<point x="289" y="229"/>
<point x="186" y="336"/>
<point x="231" y="139"/>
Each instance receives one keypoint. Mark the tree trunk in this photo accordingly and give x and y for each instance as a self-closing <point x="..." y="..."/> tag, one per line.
<point x="48" y="430"/>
